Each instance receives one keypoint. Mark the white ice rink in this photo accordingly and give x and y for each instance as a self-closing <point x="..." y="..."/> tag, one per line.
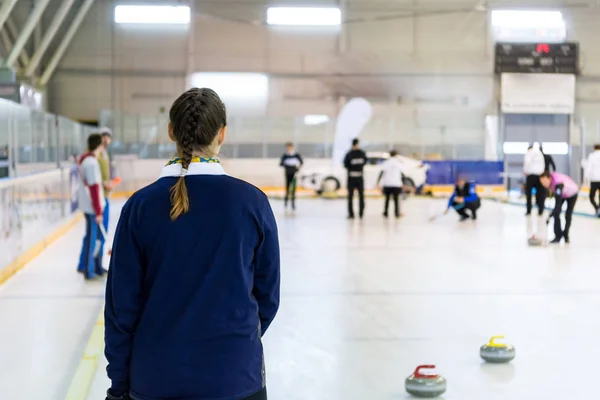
<point x="363" y="303"/>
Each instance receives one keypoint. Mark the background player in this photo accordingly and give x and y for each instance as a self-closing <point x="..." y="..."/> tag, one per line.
<point x="354" y="162"/>
<point x="464" y="198"/>
<point x="291" y="161"/>
<point x="565" y="190"/>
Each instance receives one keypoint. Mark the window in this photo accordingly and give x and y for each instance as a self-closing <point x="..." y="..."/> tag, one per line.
<point x="137" y="14"/>
<point x="304" y="16"/>
<point x="315" y="119"/>
<point x="551" y="148"/>
<point x="528" y="26"/>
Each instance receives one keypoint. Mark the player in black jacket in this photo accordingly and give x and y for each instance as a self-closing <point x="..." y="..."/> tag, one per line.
<point x="355" y="162"/>
<point x="291" y="162"/>
<point x="550" y="166"/>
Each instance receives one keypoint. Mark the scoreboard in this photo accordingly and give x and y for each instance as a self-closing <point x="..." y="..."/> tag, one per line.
<point x="549" y="58"/>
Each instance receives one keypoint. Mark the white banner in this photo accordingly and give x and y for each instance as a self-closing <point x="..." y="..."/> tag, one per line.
<point x="538" y="93"/>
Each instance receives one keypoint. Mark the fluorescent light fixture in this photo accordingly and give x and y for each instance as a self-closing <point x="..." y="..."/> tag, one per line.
<point x="515" y="147"/>
<point x="528" y="25"/>
<point x="304" y="16"/>
<point x="315" y="119"/>
<point x="556" y="148"/>
<point x="233" y="85"/>
<point x="139" y="14"/>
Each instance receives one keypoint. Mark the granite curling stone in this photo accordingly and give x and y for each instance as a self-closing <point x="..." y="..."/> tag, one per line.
<point x="425" y="385"/>
<point x="535" y="241"/>
<point x="497" y="352"/>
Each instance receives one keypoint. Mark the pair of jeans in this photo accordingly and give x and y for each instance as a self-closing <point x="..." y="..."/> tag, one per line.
<point x="90" y="259"/>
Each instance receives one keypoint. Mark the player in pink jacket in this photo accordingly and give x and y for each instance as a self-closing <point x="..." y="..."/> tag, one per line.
<point x="564" y="190"/>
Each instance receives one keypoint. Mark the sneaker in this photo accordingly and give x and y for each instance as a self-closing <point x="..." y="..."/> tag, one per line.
<point x="567" y="241"/>
<point x="464" y="218"/>
<point x="474" y="217"/>
<point x="350" y="216"/>
<point x="385" y="215"/>
<point x="556" y="240"/>
<point x="528" y="214"/>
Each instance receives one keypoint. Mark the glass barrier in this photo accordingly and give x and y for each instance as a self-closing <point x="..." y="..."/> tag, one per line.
<point x="423" y="135"/>
<point x="31" y="208"/>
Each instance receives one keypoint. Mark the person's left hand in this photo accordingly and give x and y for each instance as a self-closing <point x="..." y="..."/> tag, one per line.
<point x="459" y="200"/>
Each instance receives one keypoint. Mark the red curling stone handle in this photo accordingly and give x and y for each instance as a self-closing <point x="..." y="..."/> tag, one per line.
<point x="418" y="373"/>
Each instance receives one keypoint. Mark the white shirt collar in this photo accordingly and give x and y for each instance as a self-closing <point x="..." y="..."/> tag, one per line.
<point x="197" y="168"/>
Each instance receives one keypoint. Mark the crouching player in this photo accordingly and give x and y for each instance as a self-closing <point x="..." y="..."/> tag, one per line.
<point x="464" y="198"/>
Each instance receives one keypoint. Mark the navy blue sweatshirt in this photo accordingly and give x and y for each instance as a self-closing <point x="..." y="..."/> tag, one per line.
<point x="187" y="301"/>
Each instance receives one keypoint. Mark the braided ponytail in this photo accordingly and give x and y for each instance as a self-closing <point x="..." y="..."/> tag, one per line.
<point x="197" y="116"/>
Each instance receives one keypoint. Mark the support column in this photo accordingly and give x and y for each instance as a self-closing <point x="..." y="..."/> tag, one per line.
<point x="57" y="21"/>
<point x="66" y="40"/>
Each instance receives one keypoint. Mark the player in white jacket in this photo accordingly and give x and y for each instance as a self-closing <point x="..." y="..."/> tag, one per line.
<point x="534" y="166"/>
<point x="391" y="180"/>
<point x="592" y="174"/>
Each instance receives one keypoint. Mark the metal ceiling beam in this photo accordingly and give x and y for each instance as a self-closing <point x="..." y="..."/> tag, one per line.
<point x="5" y="9"/>
<point x="32" y="21"/>
<point x="66" y="40"/>
<point x="10" y="30"/>
<point x="57" y="21"/>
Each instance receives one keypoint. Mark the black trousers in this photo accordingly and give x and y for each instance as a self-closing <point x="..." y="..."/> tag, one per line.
<point x="558" y="232"/>
<point x="356" y="184"/>
<point x="393" y="192"/>
<point x="594" y="189"/>
<point x="472" y="206"/>
<point x="533" y="181"/>
<point x="290" y="187"/>
<point x="262" y="395"/>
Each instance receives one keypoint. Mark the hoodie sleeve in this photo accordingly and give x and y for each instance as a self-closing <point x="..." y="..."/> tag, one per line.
<point x="452" y="199"/>
<point x="472" y="193"/>
<point x="123" y="300"/>
<point x="266" y="270"/>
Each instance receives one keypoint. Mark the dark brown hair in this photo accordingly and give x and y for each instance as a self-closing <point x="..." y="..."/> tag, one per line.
<point x="197" y="117"/>
<point x="94" y="141"/>
<point x="597" y="147"/>
<point x="546" y="174"/>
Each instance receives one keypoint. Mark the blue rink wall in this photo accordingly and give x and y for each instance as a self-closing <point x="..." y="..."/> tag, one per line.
<point x="481" y="172"/>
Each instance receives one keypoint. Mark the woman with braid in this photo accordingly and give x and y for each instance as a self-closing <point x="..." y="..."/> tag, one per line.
<point x="193" y="283"/>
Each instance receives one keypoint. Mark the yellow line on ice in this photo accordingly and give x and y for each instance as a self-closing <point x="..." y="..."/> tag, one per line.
<point x="86" y="370"/>
<point x="25" y="258"/>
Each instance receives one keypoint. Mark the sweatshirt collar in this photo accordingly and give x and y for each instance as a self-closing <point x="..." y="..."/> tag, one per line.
<point x="195" y="168"/>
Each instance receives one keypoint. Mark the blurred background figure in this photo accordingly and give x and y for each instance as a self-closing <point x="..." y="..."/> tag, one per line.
<point x="464" y="198"/>
<point x="534" y="165"/>
<point x="565" y="190"/>
<point x="549" y="164"/>
<point x="105" y="170"/>
<point x="354" y="162"/>
<point x="592" y="175"/>
<point x="391" y="181"/>
<point x="4" y="166"/>
<point x="291" y="161"/>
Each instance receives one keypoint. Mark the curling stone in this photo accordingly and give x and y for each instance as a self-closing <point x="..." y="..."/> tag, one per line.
<point x="535" y="241"/>
<point x="497" y="352"/>
<point x="425" y="385"/>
